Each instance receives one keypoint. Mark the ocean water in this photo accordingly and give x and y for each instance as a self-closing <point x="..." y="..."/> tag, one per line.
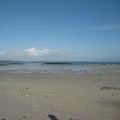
<point x="54" y="67"/>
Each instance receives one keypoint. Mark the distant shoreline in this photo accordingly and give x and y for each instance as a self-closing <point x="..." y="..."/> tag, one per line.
<point x="8" y="62"/>
<point x="58" y="63"/>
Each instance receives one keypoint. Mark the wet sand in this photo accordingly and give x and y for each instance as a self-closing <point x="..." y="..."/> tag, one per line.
<point x="60" y="96"/>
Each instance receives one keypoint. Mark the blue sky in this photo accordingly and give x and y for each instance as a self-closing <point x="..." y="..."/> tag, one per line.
<point x="81" y="30"/>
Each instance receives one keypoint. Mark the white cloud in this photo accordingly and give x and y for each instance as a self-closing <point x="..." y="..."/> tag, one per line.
<point x="31" y="54"/>
<point x="34" y="52"/>
<point x="2" y="53"/>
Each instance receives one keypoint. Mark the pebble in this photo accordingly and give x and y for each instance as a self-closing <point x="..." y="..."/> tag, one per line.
<point x="84" y="108"/>
<point x="73" y="119"/>
<point x="48" y="109"/>
<point x="37" y="109"/>
<point x="113" y="95"/>
<point x="26" y="88"/>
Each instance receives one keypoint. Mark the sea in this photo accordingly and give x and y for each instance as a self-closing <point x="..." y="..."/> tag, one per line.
<point x="54" y="67"/>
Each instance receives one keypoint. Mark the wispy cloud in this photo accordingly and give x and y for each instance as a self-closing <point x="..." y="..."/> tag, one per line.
<point x="106" y="27"/>
<point x="96" y="28"/>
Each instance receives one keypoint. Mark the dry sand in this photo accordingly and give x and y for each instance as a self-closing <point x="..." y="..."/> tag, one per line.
<point x="66" y="96"/>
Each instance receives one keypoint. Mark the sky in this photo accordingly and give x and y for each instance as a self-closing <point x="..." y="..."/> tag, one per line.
<point x="78" y="30"/>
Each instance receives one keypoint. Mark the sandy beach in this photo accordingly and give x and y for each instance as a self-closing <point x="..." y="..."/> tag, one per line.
<point x="59" y="59"/>
<point x="35" y="96"/>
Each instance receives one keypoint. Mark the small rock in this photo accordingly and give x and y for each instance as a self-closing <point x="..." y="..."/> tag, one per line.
<point x="47" y="96"/>
<point x="3" y="119"/>
<point x="24" y="116"/>
<point x="27" y="88"/>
